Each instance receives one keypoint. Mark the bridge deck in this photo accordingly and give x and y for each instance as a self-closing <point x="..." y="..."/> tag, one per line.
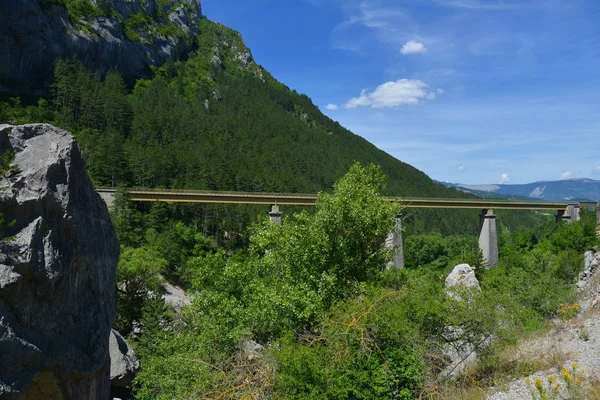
<point x="185" y="196"/>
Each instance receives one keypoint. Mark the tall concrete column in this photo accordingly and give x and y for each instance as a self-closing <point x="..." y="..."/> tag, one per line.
<point x="394" y="242"/>
<point x="275" y="214"/>
<point x="560" y="216"/>
<point x="488" y="238"/>
<point x="108" y="197"/>
<point x="598" y="213"/>
<point x="572" y="212"/>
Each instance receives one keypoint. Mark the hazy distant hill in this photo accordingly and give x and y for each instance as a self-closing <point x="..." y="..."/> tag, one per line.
<point x="569" y="189"/>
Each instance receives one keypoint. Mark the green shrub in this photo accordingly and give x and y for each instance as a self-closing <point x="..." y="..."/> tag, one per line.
<point x="365" y="350"/>
<point x="136" y="23"/>
<point x="138" y="274"/>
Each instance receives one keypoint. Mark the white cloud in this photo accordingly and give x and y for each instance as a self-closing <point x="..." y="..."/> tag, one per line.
<point x="460" y="167"/>
<point x="596" y="170"/>
<point x="478" y="5"/>
<point x="504" y="178"/>
<point x="331" y="107"/>
<point x="566" y="175"/>
<point x="440" y="91"/>
<point x="392" y="94"/>
<point x="413" y="47"/>
<point x="372" y="20"/>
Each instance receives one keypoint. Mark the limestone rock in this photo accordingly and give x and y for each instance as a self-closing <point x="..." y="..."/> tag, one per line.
<point x="588" y="258"/>
<point x="124" y="364"/>
<point x="588" y="284"/>
<point x="591" y="261"/>
<point x="35" y="33"/>
<point x="463" y="275"/>
<point x="175" y="296"/>
<point x="460" y="351"/>
<point x="57" y="271"/>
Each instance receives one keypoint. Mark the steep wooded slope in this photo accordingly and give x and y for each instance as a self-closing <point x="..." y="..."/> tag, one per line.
<point x="211" y="118"/>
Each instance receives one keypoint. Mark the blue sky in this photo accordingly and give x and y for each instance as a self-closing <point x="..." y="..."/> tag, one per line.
<point x="469" y="91"/>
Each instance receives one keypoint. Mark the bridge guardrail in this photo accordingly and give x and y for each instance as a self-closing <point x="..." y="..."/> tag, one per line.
<point x="302" y="199"/>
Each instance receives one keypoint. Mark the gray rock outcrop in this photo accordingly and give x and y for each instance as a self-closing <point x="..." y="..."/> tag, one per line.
<point x="58" y="260"/>
<point x="35" y="33"/>
<point x="462" y="276"/>
<point x="588" y="284"/>
<point x="175" y="296"/>
<point x="459" y="351"/>
<point x="591" y="261"/>
<point x="124" y="364"/>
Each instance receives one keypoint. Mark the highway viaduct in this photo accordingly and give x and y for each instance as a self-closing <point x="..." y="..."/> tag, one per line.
<point x="488" y="241"/>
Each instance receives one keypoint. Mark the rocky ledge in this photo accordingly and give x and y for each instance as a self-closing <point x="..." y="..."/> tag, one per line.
<point x="128" y="36"/>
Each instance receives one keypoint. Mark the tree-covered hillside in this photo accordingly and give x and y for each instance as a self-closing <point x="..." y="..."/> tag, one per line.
<point x="216" y="120"/>
<point x="211" y="122"/>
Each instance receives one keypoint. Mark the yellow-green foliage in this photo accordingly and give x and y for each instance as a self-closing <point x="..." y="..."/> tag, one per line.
<point x="81" y="9"/>
<point x="136" y="23"/>
<point x="567" y="311"/>
<point x="568" y="383"/>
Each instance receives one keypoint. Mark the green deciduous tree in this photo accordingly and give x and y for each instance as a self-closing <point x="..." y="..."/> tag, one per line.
<point x="292" y="275"/>
<point x="138" y="276"/>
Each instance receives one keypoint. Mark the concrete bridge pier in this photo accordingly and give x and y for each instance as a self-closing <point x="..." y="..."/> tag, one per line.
<point x="572" y="212"/>
<point x="598" y="213"/>
<point x="108" y="197"/>
<point x="488" y="238"/>
<point x="394" y="242"/>
<point x="560" y="216"/>
<point x="275" y="214"/>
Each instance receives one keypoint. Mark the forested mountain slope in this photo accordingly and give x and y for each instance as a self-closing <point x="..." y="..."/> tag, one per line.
<point x="215" y="120"/>
<point x="208" y="117"/>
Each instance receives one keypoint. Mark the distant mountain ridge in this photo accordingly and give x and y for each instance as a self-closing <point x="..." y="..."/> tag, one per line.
<point x="581" y="189"/>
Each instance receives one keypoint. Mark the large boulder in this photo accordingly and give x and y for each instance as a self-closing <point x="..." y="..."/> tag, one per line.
<point x="124" y="364"/>
<point x="460" y="351"/>
<point x="461" y="279"/>
<point x="463" y="275"/>
<point x="58" y="258"/>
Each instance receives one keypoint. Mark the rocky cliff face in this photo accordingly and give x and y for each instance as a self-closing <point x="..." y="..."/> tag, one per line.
<point x="124" y="35"/>
<point x="58" y="260"/>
